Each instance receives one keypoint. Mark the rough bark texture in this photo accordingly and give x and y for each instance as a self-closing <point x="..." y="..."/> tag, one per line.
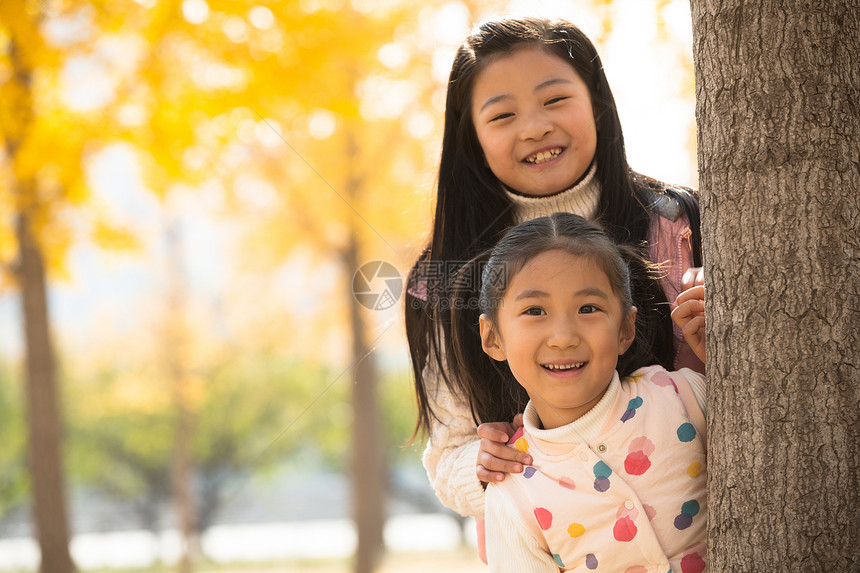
<point x="43" y="412"/>
<point x="778" y="90"/>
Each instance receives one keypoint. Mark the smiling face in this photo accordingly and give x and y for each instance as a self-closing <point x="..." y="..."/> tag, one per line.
<point x="534" y="120"/>
<point x="561" y="328"/>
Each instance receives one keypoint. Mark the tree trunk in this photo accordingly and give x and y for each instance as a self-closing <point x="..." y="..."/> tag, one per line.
<point x="368" y="454"/>
<point x="777" y="92"/>
<point x="43" y="412"/>
<point x="368" y="464"/>
<point x="175" y="350"/>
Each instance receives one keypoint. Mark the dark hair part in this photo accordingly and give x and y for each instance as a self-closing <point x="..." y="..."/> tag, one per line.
<point x="472" y="209"/>
<point x="483" y="379"/>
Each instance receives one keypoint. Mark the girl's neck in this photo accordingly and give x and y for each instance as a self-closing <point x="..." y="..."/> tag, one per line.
<point x="584" y="429"/>
<point x="581" y="199"/>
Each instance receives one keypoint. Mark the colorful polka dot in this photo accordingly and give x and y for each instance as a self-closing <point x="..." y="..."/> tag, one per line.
<point x="686" y="432"/>
<point x="591" y="561"/>
<point x="632" y="406"/>
<point x="517" y="435"/>
<point x="522" y="445"/>
<point x="575" y="529"/>
<point x="634" y="377"/>
<point x="664" y="380"/>
<point x="694" y="470"/>
<point x="567" y="482"/>
<point x="689" y="509"/>
<point x="692" y="563"/>
<point x="682" y="522"/>
<point x="557" y="558"/>
<point x="529" y="472"/>
<point x="649" y="511"/>
<point x="637" y="462"/>
<point x="601" y="476"/>
<point x="632" y="513"/>
<point x="624" y="529"/>
<point x="544" y="517"/>
<point x="601" y="470"/>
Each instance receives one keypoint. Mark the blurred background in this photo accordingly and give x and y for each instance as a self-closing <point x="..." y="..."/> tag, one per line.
<point x="192" y="193"/>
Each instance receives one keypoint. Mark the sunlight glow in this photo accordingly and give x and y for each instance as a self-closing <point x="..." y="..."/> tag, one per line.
<point x="195" y="11"/>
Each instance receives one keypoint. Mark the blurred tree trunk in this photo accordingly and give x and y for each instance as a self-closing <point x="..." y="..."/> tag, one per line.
<point x="43" y="412"/>
<point x="777" y="91"/>
<point x="175" y="348"/>
<point x="368" y="454"/>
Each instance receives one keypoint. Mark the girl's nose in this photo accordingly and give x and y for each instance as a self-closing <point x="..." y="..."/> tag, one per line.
<point x="563" y="335"/>
<point x="536" y="125"/>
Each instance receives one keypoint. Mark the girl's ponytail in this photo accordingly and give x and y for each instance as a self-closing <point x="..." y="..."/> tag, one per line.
<point x="492" y="391"/>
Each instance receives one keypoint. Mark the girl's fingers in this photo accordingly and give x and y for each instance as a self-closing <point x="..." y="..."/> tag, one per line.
<point x="496" y="431"/>
<point x="688" y="309"/>
<point x="487" y="476"/>
<point x="686" y="312"/>
<point x="695" y="293"/>
<point x="694" y="327"/>
<point x="693" y="276"/>
<point x="499" y="457"/>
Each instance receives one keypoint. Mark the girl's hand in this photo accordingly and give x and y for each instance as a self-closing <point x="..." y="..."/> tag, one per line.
<point x="694" y="276"/>
<point x="688" y="312"/>
<point x="496" y="458"/>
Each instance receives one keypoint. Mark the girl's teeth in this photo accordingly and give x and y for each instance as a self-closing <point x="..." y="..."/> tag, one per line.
<point x="563" y="367"/>
<point x="543" y="156"/>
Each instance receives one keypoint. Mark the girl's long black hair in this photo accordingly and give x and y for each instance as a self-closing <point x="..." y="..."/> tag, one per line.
<point x="473" y="211"/>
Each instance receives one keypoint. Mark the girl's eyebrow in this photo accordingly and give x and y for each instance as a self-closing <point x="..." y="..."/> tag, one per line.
<point x="531" y="293"/>
<point x="537" y="293"/>
<point x="551" y="82"/>
<point x="540" y="86"/>
<point x="592" y="291"/>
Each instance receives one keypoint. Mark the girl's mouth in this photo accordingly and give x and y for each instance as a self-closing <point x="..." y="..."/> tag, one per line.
<point x="544" y="156"/>
<point x="563" y="367"/>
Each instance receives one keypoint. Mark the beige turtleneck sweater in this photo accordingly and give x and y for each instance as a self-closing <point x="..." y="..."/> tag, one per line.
<point x="581" y="199"/>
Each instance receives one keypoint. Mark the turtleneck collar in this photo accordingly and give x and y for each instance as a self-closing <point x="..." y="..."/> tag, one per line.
<point x="581" y="199"/>
<point x="582" y="431"/>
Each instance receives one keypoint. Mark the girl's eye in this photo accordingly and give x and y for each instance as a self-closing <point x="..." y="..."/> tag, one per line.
<point x="501" y="116"/>
<point x="588" y="309"/>
<point x="534" y="311"/>
<point x="556" y="100"/>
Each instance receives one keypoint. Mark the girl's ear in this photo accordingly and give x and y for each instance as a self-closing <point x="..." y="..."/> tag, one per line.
<point x="490" y="340"/>
<point x="627" y="332"/>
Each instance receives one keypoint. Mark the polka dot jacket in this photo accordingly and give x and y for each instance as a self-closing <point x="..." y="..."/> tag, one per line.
<point x="633" y="501"/>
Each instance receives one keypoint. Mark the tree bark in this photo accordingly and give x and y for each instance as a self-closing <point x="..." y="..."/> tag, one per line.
<point x="43" y="412"/>
<point x="368" y="454"/>
<point x="777" y="92"/>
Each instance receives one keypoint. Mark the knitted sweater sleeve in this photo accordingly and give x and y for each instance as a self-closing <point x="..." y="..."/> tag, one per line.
<point x="511" y="547"/>
<point x="451" y="456"/>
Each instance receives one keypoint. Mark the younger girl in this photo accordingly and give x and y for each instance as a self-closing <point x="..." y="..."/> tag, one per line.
<point x="618" y="480"/>
<point x="531" y="129"/>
